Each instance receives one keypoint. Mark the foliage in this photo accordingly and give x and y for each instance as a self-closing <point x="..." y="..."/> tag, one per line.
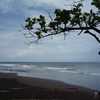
<point x="64" y="22"/>
<point x="96" y="3"/>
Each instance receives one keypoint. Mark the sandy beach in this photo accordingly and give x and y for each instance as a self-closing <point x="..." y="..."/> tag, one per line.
<point x="10" y="81"/>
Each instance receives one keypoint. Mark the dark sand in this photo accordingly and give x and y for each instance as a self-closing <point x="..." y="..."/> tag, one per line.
<point x="9" y="81"/>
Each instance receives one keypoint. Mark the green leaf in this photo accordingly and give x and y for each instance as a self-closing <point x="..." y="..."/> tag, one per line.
<point x="34" y="19"/>
<point x="27" y="20"/>
<point x="57" y="12"/>
<point x="89" y="23"/>
<point x="42" y="17"/>
<point x="38" y="19"/>
<point x="45" y="30"/>
<point x="91" y="11"/>
<point x="38" y="33"/>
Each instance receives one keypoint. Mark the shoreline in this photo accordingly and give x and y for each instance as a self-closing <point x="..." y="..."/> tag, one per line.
<point x="80" y="74"/>
<point x="12" y="80"/>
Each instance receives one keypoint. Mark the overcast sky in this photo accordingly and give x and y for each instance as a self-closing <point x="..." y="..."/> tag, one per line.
<point x="13" y="13"/>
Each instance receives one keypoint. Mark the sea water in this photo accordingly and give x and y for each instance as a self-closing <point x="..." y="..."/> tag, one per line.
<point x="85" y="74"/>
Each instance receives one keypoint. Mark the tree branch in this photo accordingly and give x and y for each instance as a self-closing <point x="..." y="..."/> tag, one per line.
<point x="66" y="29"/>
<point x="97" y="30"/>
<point x="97" y="38"/>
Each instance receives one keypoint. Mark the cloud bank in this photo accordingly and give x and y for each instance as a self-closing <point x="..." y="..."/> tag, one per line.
<point x="12" y="47"/>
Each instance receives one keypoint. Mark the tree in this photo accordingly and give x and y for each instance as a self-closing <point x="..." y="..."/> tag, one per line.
<point x="65" y="21"/>
<point x="96" y="3"/>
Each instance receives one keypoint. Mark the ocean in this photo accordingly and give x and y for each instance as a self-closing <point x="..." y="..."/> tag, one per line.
<point x="86" y="74"/>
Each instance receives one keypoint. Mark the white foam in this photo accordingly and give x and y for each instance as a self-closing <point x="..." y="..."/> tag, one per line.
<point x="8" y="65"/>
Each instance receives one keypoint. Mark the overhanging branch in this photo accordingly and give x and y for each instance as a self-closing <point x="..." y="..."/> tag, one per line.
<point x="62" y="30"/>
<point x="97" y="30"/>
<point x="97" y="38"/>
